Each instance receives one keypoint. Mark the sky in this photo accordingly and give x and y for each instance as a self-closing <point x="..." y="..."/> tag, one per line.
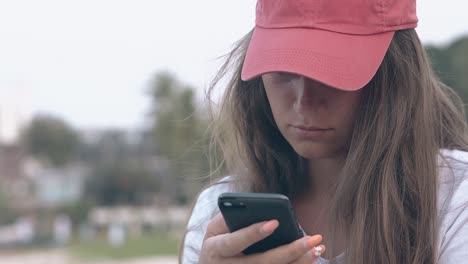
<point x="90" y="61"/>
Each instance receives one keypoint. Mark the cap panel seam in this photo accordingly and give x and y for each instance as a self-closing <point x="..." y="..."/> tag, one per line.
<point x="382" y="15"/>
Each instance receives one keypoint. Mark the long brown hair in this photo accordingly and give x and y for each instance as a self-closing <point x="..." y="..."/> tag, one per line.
<point x="386" y="196"/>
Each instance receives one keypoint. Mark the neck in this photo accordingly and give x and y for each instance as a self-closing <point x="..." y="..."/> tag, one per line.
<point x="322" y="173"/>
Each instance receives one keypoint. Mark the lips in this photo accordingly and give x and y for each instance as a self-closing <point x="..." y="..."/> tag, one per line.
<point x="311" y="128"/>
<point x="314" y="133"/>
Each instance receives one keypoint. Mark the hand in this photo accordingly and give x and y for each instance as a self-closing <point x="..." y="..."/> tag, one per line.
<point x="221" y="246"/>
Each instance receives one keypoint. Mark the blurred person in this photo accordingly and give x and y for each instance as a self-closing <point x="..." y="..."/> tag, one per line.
<point x="25" y="230"/>
<point x="335" y="105"/>
<point x="116" y="234"/>
<point x="62" y="229"/>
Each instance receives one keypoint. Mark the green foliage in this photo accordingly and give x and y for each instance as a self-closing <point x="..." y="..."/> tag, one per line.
<point x="51" y="139"/>
<point x="77" y="211"/>
<point x="152" y="244"/>
<point x="175" y="125"/>
<point x="109" y="150"/>
<point x="119" y="173"/>
<point x="122" y="183"/>
<point x="181" y="136"/>
<point x="451" y="63"/>
<point x="8" y="215"/>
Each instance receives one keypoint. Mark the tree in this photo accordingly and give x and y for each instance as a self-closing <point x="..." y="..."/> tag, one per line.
<point x="51" y="139"/>
<point x="120" y="173"/>
<point x="121" y="184"/>
<point x="181" y="136"/>
<point x="8" y="215"/>
<point x="451" y="63"/>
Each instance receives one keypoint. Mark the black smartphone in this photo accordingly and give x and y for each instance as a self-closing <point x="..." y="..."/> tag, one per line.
<point x="244" y="209"/>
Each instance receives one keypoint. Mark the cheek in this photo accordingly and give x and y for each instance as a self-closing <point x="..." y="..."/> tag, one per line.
<point x="280" y="101"/>
<point x="277" y="109"/>
<point x="349" y="110"/>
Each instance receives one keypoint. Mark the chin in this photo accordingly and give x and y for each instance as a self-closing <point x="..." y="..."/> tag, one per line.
<point x="315" y="152"/>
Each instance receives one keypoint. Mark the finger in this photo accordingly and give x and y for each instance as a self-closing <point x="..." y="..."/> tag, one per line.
<point x="233" y="244"/>
<point x="217" y="226"/>
<point x="311" y="256"/>
<point x="293" y="251"/>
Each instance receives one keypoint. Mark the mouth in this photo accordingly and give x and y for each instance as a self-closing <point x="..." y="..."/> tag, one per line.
<point x="311" y="132"/>
<point x="311" y="128"/>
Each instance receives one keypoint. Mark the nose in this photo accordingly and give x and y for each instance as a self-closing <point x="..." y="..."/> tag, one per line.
<point x="309" y="94"/>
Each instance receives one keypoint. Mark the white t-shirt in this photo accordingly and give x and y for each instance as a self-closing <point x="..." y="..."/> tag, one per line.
<point x="452" y="212"/>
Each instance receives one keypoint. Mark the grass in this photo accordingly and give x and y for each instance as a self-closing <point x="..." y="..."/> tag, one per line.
<point x="147" y="245"/>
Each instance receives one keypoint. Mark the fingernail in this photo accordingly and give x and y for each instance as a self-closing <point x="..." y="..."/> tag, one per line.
<point x="313" y="241"/>
<point x="317" y="251"/>
<point x="270" y="226"/>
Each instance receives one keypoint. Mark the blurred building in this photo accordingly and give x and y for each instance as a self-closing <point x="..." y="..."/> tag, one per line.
<point x="31" y="185"/>
<point x="60" y="186"/>
<point x="15" y="185"/>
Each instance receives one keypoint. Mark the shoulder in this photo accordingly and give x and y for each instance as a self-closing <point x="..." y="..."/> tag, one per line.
<point x="205" y="208"/>
<point x="453" y="178"/>
<point x="453" y="205"/>
<point x="455" y="159"/>
<point x="206" y="205"/>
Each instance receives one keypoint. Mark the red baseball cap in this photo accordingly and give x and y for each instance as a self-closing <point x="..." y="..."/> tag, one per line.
<point x="340" y="43"/>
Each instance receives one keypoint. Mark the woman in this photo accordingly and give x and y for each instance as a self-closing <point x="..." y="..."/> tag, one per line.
<point x="334" y="104"/>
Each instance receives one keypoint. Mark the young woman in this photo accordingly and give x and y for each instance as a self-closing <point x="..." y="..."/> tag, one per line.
<point x="335" y="105"/>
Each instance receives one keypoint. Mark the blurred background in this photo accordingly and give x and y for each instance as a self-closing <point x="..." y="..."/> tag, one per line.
<point x="103" y="124"/>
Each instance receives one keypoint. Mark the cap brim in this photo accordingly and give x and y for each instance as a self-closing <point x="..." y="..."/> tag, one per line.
<point x="343" y="61"/>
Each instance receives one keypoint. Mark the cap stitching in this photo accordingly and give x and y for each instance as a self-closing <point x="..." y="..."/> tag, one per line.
<point x="384" y="17"/>
<point x="323" y="64"/>
<point x="381" y="14"/>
